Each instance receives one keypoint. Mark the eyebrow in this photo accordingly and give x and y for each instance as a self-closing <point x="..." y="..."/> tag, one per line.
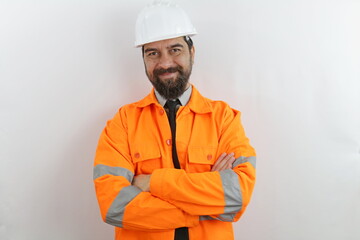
<point x="172" y="46"/>
<point x="150" y="50"/>
<point x="177" y="45"/>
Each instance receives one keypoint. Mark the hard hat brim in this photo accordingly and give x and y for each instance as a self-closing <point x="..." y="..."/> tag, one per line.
<point x="140" y="44"/>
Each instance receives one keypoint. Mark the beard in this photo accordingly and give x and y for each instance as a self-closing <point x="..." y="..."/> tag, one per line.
<point x="170" y="88"/>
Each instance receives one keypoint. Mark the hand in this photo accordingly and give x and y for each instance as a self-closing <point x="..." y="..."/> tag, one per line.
<point x="224" y="162"/>
<point x="142" y="181"/>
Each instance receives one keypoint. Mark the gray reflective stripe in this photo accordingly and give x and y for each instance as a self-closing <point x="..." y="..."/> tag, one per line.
<point x="232" y="191"/>
<point x="229" y="217"/>
<point x="101" y="170"/>
<point x="241" y="160"/>
<point x="116" y="211"/>
<point x="202" y="218"/>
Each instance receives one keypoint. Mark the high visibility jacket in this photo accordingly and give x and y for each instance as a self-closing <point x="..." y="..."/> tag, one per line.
<point x="138" y="141"/>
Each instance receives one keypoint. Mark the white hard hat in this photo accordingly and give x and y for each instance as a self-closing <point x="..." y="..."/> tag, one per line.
<point x="162" y="20"/>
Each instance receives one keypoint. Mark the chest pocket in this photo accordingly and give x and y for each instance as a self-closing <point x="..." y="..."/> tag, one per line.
<point x="146" y="159"/>
<point x="201" y="158"/>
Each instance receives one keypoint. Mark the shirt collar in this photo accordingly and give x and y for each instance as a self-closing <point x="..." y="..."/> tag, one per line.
<point x="184" y="98"/>
<point x="195" y="101"/>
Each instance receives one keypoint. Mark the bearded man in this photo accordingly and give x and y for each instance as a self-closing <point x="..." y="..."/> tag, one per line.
<point x="174" y="165"/>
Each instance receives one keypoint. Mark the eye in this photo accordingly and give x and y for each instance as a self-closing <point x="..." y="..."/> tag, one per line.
<point x="152" y="54"/>
<point x="175" y="51"/>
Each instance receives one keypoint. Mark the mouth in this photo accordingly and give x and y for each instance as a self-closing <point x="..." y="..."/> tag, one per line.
<point x="168" y="75"/>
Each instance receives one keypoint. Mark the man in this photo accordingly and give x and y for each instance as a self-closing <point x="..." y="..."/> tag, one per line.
<point x="174" y="165"/>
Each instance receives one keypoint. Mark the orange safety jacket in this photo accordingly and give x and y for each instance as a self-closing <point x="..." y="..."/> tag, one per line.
<point x="138" y="141"/>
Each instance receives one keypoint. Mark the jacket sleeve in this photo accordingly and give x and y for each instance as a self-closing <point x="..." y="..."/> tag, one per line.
<point x="213" y="195"/>
<point x="122" y="204"/>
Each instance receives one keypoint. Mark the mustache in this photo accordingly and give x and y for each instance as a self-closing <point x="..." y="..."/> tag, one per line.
<point x="160" y="71"/>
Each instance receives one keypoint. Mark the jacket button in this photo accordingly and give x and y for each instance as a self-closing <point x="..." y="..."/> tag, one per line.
<point x="209" y="157"/>
<point x="161" y="111"/>
<point x="137" y="155"/>
<point x="168" y="142"/>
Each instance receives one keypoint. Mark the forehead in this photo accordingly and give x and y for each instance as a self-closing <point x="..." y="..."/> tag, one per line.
<point x="165" y="43"/>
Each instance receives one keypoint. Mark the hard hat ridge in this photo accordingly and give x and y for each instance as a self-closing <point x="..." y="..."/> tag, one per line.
<point x="163" y="19"/>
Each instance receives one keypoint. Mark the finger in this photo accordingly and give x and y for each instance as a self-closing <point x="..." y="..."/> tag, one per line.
<point x="221" y="163"/>
<point x="218" y="161"/>
<point x="230" y="163"/>
<point x="229" y="156"/>
<point x="227" y="162"/>
<point x="223" y="166"/>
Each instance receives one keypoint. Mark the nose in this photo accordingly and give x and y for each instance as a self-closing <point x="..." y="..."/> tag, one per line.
<point x="165" y="61"/>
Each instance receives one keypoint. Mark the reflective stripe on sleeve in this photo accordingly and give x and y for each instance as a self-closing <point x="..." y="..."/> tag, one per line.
<point x="232" y="191"/>
<point x="101" y="170"/>
<point x="225" y="217"/>
<point x="241" y="160"/>
<point x="116" y="211"/>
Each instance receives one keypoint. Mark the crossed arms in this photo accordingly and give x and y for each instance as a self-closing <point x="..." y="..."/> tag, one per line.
<point x="172" y="198"/>
<point x="224" y="162"/>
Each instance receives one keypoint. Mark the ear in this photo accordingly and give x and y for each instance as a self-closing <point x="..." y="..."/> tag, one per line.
<point x="192" y="53"/>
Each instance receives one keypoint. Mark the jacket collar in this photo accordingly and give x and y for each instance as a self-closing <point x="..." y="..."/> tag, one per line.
<point x="197" y="102"/>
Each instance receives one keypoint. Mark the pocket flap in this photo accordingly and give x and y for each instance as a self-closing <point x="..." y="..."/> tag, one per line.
<point x="202" y="154"/>
<point x="146" y="153"/>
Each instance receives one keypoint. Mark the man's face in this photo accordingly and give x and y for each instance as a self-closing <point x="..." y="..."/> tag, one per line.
<point x="168" y="65"/>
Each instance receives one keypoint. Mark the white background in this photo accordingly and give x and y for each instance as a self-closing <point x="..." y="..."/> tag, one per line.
<point x="292" y="67"/>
